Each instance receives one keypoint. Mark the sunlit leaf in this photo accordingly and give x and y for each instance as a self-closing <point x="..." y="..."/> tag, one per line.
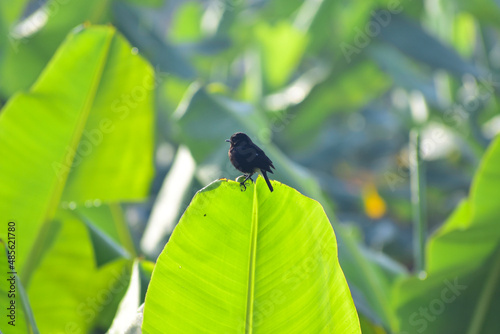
<point x="255" y="261"/>
<point x="81" y="140"/>
<point x="18" y="313"/>
<point x="463" y="257"/>
<point x="68" y="290"/>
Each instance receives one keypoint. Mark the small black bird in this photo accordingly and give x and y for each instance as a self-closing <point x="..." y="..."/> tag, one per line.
<point x="249" y="158"/>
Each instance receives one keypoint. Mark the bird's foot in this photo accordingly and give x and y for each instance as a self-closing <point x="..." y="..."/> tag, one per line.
<point x="243" y="187"/>
<point x="242" y="183"/>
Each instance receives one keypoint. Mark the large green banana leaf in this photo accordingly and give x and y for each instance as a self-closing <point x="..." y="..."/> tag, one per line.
<point x="69" y="290"/>
<point x="250" y="262"/>
<point x="81" y="134"/>
<point x="18" y="314"/>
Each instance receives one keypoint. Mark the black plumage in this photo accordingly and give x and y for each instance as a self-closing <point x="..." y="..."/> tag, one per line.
<point x="248" y="158"/>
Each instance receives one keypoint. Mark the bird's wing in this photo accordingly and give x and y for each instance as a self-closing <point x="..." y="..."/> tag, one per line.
<point x="263" y="161"/>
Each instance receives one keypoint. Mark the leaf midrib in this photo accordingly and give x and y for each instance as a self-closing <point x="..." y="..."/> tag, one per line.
<point x="58" y="187"/>
<point x="487" y="292"/>
<point x="251" y="264"/>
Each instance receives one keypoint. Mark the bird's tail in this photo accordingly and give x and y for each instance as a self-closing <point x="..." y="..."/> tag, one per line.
<point x="264" y="173"/>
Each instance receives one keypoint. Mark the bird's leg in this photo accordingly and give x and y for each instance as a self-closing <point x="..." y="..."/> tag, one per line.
<point x="248" y="176"/>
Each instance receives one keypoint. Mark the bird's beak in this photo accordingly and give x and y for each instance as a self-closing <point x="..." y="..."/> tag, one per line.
<point x="228" y="140"/>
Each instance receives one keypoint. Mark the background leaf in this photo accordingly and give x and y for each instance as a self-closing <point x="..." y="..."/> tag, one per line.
<point x="83" y="107"/>
<point x="463" y="265"/>
<point x="69" y="290"/>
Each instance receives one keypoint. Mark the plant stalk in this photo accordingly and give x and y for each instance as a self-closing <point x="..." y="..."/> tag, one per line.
<point x="418" y="201"/>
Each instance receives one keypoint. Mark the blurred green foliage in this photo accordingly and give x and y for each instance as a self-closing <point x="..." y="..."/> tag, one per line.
<point x="101" y="100"/>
